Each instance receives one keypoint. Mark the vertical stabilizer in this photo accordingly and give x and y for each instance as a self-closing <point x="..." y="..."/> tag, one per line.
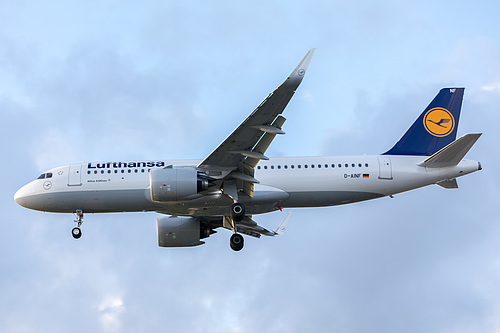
<point x="435" y="128"/>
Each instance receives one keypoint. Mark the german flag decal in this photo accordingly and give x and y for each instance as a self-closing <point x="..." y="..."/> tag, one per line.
<point x="366" y="175"/>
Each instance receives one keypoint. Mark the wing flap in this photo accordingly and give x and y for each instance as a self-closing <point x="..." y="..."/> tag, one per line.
<point x="250" y="163"/>
<point x="249" y="227"/>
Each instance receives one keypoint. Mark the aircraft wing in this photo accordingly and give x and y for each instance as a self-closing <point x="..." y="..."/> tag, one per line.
<point x="235" y="158"/>
<point x="249" y="227"/>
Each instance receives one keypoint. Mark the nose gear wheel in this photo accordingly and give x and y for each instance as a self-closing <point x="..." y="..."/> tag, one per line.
<point x="77" y="232"/>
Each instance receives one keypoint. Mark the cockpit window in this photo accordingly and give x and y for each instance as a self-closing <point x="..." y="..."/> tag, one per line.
<point x="45" y="175"/>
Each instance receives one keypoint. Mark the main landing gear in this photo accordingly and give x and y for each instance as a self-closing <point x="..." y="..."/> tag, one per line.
<point x="236" y="242"/>
<point x="237" y="214"/>
<point x="76" y="232"/>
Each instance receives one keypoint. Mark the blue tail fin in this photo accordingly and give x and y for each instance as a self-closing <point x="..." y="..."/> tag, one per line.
<point x="435" y="128"/>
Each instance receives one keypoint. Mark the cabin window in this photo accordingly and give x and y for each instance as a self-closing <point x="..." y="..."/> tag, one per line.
<point x="333" y="165"/>
<point x="319" y="166"/>
<point x="265" y="167"/>
<point x="272" y="166"/>
<point x="312" y="166"/>
<point x="366" y="165"/>
<point x="95" y="172"/>
<point x="305" y="166"/>
<point x="286" y="166"/>
<point x="258" y="168"/>
<point x="279" y="166"/>
<point x="346" y="165"/>
<point x="299" y="166"/>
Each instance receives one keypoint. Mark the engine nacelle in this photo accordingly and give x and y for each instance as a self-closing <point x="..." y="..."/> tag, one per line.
<point x="175" y="184"/>
<point x="180" y="231"/>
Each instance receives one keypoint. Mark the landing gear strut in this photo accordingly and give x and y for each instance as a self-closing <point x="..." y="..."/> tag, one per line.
<point x="76" y="232"/>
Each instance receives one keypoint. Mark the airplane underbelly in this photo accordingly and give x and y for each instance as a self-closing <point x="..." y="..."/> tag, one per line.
<point x="91" y="201"/>
<point x="327" y="198"/>
<point x="267" y="199"/>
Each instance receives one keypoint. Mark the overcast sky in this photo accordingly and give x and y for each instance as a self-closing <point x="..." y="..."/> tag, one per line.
<point x="127" y="80"/>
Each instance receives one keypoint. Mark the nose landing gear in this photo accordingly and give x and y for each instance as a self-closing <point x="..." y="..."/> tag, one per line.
<point x="77" y="232"/>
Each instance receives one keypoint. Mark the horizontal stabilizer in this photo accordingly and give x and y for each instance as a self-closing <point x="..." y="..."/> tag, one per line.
<point x="453" y="153"/>
<point x="451" y="183"/>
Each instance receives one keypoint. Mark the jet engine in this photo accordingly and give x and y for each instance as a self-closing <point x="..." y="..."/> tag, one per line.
<point x="175" y="184"/>
<point x="181" y="231"/>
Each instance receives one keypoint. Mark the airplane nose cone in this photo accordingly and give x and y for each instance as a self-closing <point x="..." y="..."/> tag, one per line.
<point x="20" y="196"/>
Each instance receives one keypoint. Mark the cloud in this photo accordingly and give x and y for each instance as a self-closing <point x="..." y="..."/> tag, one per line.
<point x="111" y="309"/>
<point x="494" y="87"/>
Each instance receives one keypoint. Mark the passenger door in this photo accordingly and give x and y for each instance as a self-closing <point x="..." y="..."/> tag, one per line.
<point x="75" y="175"/>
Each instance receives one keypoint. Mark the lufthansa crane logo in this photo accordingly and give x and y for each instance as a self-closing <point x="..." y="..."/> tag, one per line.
<point x="439" y="122"/>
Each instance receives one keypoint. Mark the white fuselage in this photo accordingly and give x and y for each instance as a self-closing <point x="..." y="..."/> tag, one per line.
<point x="284" y="183"/>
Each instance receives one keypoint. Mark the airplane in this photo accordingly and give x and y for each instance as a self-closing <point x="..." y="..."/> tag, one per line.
<point x="237" y="181"/>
